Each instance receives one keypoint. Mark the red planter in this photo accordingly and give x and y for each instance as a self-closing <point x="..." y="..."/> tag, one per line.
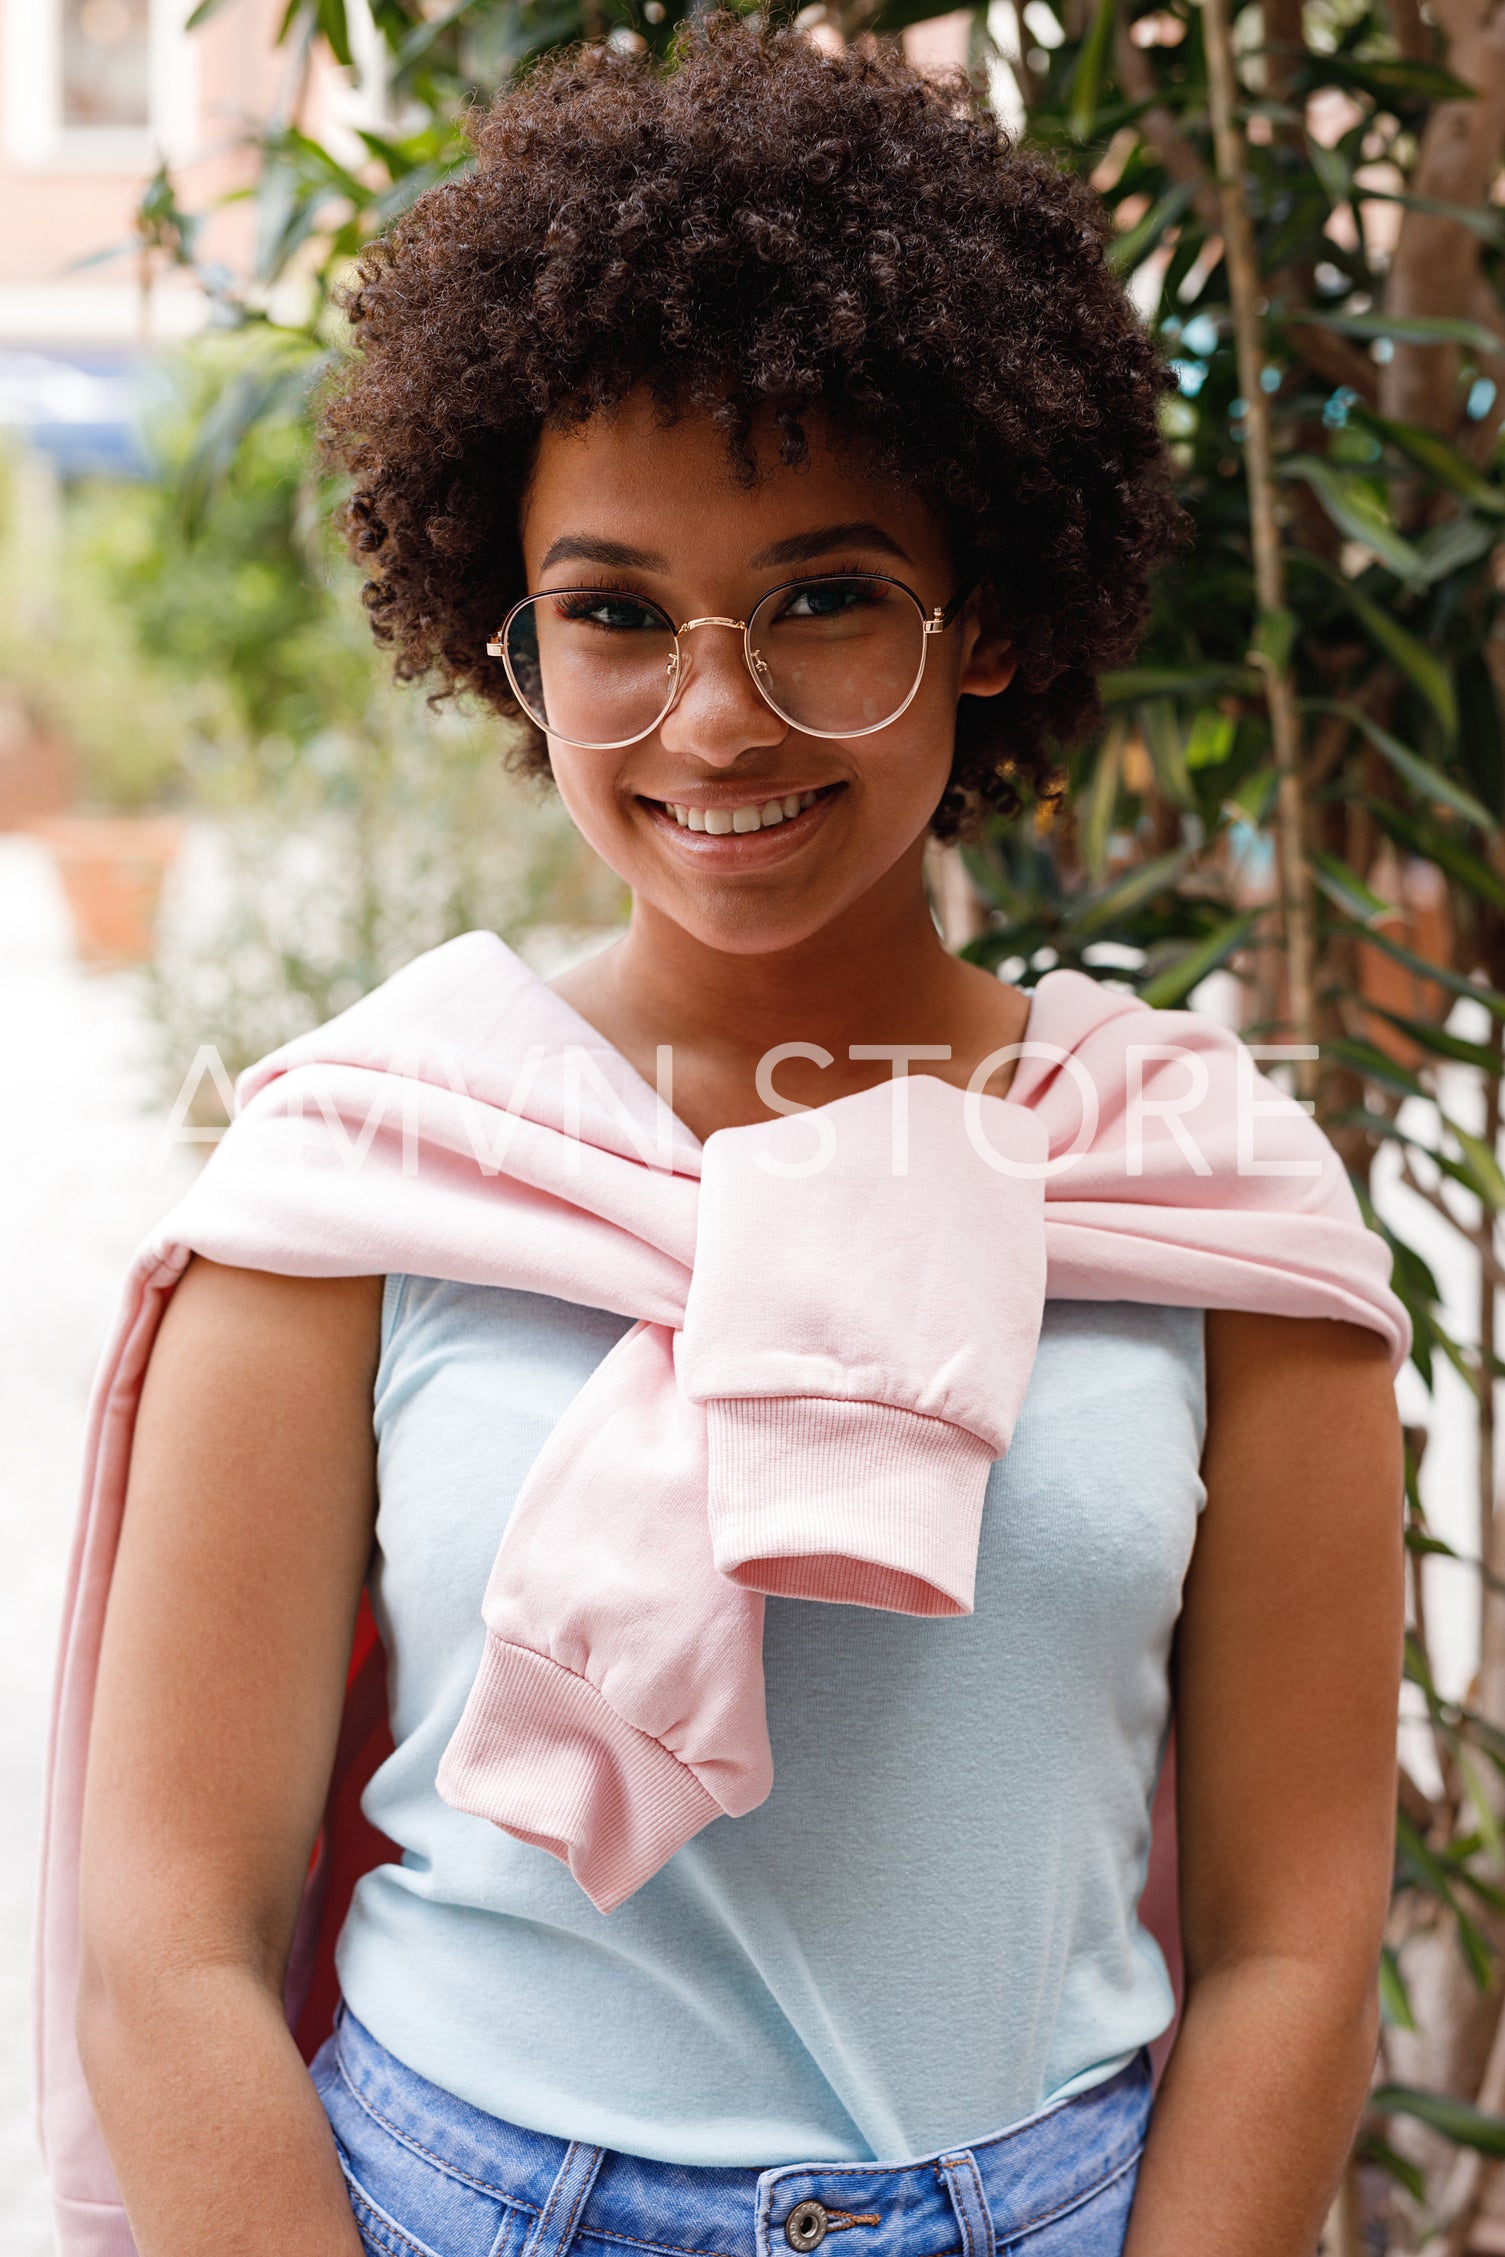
<point x="112" y="868"/>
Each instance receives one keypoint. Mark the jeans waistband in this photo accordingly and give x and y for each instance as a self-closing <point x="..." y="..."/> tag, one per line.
<point x="550" y="2193"/>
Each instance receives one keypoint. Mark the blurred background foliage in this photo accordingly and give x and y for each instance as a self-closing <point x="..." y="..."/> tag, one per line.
<point x="1324" y="275"/>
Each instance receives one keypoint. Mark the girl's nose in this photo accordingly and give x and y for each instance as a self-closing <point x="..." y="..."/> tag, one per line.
<point x="718" y="714"/>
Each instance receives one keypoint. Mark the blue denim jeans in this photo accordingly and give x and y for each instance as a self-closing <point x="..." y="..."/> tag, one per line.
<point x="430" y="2176"/>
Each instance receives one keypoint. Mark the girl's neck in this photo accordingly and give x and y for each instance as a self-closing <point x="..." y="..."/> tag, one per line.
<point x="879" y="974"/>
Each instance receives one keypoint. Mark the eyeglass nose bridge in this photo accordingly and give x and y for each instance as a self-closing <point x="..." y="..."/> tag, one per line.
<point x="756" y="664"/>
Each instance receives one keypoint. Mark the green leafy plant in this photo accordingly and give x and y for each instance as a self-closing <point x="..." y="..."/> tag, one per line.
<point x="1300" y="787"/>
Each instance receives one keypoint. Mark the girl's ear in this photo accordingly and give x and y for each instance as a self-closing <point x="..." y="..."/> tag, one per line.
<point x="990" y="664"/>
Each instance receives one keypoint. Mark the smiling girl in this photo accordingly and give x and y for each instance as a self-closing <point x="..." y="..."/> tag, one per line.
<point x="774" y="449"/>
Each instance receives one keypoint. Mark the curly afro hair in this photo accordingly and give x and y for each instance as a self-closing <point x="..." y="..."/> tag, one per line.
<point x="763" y="230"/>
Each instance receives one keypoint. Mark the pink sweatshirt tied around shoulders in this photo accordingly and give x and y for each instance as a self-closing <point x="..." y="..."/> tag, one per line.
<point x="836" y="1315"/>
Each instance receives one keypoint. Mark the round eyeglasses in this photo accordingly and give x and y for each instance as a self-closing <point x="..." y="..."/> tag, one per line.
<point x="838" y="656"/>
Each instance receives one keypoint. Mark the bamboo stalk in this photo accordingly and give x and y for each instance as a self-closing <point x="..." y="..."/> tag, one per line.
<point x="1468" y="2178"/>
<point x="1490" y="1624"/>
<point x="1269" y="565"/>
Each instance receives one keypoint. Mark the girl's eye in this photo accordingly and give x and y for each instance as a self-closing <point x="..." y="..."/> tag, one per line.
<point x="602" y="608"/>
<point x="829" y="599"/>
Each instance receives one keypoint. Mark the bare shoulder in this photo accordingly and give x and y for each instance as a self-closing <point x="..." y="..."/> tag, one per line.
<point x="236" y="1319"/>
<point x="1328" y="1378"/>
<point x="255" y="1436"/>
<point x="252" y="1491"/>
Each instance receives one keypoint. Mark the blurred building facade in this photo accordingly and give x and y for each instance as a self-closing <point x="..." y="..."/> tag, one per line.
<point x="95" y="97"/>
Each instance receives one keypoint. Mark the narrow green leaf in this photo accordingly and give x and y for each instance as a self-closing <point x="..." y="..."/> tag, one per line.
<point x="1432" y="1875"/>
<point x="1430" y="782"/>
<point x="1354" y="513"/>
<point x="1406" y="329"/>
<point x="1162" y="736"/>
<point x="1420" y="666"/>
<point x="202" y="13"/>
<point x="1395" y="1999"/>
<point x="1416" y="1672"/>
<point x="1439" y="846"/>
<point x="1477" y="219"/>
<point x="1097" y="910"/>
<point x="1099" y="799"/>
<point x="1440" y="1042"/>
<point x="1439" y="975"/>
<point x="1348" y="891"/>
<point x="1210" y="739"/>
<point x="1456" y="1171"/>
<point x="1336" y="176"/>
<point x="1134" y="682"/>
<point x="1482" y="1165"/>
<point x="1370" y="2148"/>
<point x="1434" y="454"/>
<point x="1478" y="1795"/>
<point x="1374" y="1065"/>
<point x="1274" y="639"/>
<point x="1177" y="979"/>
<point x="336" y="30"/>
<point x="1421" y="1540"/>
<point x="423" y="35"/>
<point x="1087" y="77"/>
<point x="1464" y="2125"/>
<point x="1386" y="77"/>
<point x="1454" y="545"/>
<point x="1136" y="243"/>
<point x="1252" y="802"/>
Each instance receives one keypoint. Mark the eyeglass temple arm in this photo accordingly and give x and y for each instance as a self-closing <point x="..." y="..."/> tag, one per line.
<point x="946" y="615"/>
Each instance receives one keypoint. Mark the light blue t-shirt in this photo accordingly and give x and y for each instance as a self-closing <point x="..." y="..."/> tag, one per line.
<point x="929" y="1928"/>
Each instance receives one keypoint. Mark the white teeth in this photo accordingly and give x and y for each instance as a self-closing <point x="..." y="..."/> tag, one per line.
<point x="719" y="821"/>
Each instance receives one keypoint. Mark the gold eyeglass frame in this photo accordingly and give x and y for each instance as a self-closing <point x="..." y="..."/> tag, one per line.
<point x="933" y="623"/>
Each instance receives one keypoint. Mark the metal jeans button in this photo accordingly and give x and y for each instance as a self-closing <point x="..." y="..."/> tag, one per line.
<point x="805" y="2226"/>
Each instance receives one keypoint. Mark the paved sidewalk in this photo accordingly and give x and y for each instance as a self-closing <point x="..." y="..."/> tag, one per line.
<point x="76" y="1194"/>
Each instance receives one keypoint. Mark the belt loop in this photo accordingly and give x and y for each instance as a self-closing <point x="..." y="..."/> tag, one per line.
<point x="964" y="2184"/>
<point x="557" y="2221"/>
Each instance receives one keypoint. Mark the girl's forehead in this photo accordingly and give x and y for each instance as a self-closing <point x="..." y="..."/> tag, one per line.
<point x="670" y="489"/>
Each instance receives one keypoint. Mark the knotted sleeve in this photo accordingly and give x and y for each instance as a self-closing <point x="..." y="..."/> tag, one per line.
<point x="619" y="1705"/>
<point x="860" y="1328"/>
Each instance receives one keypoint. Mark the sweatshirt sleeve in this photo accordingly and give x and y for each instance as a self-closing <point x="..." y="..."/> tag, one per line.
<point x="619" y="1705"/>
<point x="862" y="1319"/>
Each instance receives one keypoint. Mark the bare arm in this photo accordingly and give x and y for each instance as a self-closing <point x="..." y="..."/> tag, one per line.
<point x="246" y="1540"/>
<point x="1288" y="1677"/>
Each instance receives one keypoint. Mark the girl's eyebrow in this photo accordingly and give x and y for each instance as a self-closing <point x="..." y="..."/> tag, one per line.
<point x="588" y="548"/>
<point x="804" y="548"/>
<point x="798" y="548"/>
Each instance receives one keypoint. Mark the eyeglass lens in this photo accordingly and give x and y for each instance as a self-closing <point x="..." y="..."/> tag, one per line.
<point x="837" y="655"/>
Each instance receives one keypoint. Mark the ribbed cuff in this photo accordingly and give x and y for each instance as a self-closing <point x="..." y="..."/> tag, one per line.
<point x="893" y="1520"/>
<point x="544" y="1756"/>
<point x="92" y="2229"/>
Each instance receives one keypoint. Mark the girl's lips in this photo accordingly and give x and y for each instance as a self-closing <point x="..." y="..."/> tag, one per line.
<point x="744" y="849"/>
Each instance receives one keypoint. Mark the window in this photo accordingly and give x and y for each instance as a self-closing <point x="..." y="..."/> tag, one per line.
<point x="106" y="59"/>
<point x="97" y="85"/>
